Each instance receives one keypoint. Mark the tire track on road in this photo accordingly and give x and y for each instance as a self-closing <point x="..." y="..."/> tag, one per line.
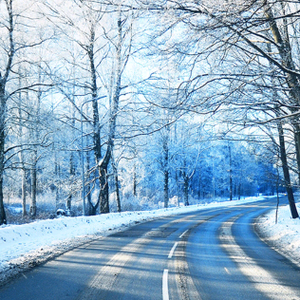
<point x="262" y="279"/>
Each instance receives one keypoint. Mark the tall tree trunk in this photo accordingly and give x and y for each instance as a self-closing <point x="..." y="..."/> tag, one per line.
<point x="134" y="181"/>
<point x="36" y="138"/>
<point x="88" y="189"/>
<point x="114" y="109"/>
<point x="118" y="192"/>
<point x="103" y="195"/>
<point x="3" y="219"/>
<point x="166" y="171"/>
<point x="71" y="162"/>
<point x="297" y="146"/>
<point x="72" y="173"/>
<point x="3" y="100"/>
<point x="166" y="189"/>
<point x="102" y="163"/>
<point x="24" y="209"/>
<point x="3" y="104"/>
<point x="33" y="209"/>
<point x="21" y="154"/>
<point x="57" y="178"/>
<point x="286" y="172"/>
<point x="230" y="173"/>
<point x="96" y="124"/>
<point x="283" y="44"/>
<point x="186" y="189"/>
<point x="116" y="180"/>
<point x="199" y="184"/>
<point x="23" y="174"/>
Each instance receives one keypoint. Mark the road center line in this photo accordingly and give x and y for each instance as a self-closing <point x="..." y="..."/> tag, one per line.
<point x="165" y="288"/>
<point x="172" y="250"/>
<point x="181" y="236"/>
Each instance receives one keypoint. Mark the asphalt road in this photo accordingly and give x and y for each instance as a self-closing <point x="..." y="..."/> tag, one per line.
<point x="210" y="254"/>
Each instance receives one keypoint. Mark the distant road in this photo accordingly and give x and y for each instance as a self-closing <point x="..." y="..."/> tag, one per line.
<point x="210" y="254"/>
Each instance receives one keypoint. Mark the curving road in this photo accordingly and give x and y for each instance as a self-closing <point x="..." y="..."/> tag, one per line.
<point x="209" y="254"/>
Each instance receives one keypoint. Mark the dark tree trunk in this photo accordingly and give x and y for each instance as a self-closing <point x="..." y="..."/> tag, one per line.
<point x="36" y="137"/>
<point x="21" y="154"/>
<point x="3" y="219"/>
<point x="297" y="146"/>
<point x="186" y="189"/>
<point x="88" y="185"/>
<point x="200" y="185"/>
<point x="24" y="191"/>
<point x="102" y="168"/>
<point x="118" y="192"/>
<point x="102" y="161"/>
<point x="69" y="202"/>
<point x="72" y="174"/>
<point x="166" y="188"/>
<point x="282" y="41"/>
<point x="102" y="164"/>
<point x="114" y="108"/>
<point x="166" y="171"/>
<point x="33" y="185"/>
<point x="286" y="172"/>
<point x="3" y="100"/>
<point x="117" y="187"/>
<point x="92" y="209"/>
<point x="103" y="195"/>
<point x="134" y="181"/>
<point x="230" y="174"/>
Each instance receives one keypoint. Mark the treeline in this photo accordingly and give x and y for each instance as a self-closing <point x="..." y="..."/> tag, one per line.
<point x="147" y="101"/>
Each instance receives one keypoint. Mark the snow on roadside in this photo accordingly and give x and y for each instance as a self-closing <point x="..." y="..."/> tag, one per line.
<point x="23" y="246"/>
<point x="283" y="235"/>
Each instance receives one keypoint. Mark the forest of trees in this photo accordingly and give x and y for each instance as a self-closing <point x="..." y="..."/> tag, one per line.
<point x="118" y="105"/>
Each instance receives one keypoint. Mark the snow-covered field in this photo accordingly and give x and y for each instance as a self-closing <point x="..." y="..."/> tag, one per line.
<point x="25" y="245"/>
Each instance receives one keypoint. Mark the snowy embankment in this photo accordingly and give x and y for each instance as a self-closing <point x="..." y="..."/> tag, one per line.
<point x="283" y="235"/>
<point x="23" y="246"/>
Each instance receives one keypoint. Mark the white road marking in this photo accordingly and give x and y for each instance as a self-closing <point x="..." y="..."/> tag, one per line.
<point x="172" y="250"/>
<point x="262" y="279"/>
<point x="181" y="236"/>
<point x="165" y="288"/>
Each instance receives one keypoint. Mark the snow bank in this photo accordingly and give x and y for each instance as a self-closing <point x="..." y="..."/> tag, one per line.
<point x="25" y="245"/>
<point x="19" y="242"/>
<point x="283" y="236"/>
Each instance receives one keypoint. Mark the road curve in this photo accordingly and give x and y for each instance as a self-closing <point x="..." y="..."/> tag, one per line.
<point x="209" y="254"/>
<point x="227" y="260"/>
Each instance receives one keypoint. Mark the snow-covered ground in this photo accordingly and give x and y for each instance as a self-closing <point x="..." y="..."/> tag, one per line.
<point x="284" y="235"/>
<point x="25" y="245"/>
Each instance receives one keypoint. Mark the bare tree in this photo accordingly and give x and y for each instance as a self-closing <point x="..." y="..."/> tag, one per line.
<point x="261" y="32"/>
<point x="103" y="36"/>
